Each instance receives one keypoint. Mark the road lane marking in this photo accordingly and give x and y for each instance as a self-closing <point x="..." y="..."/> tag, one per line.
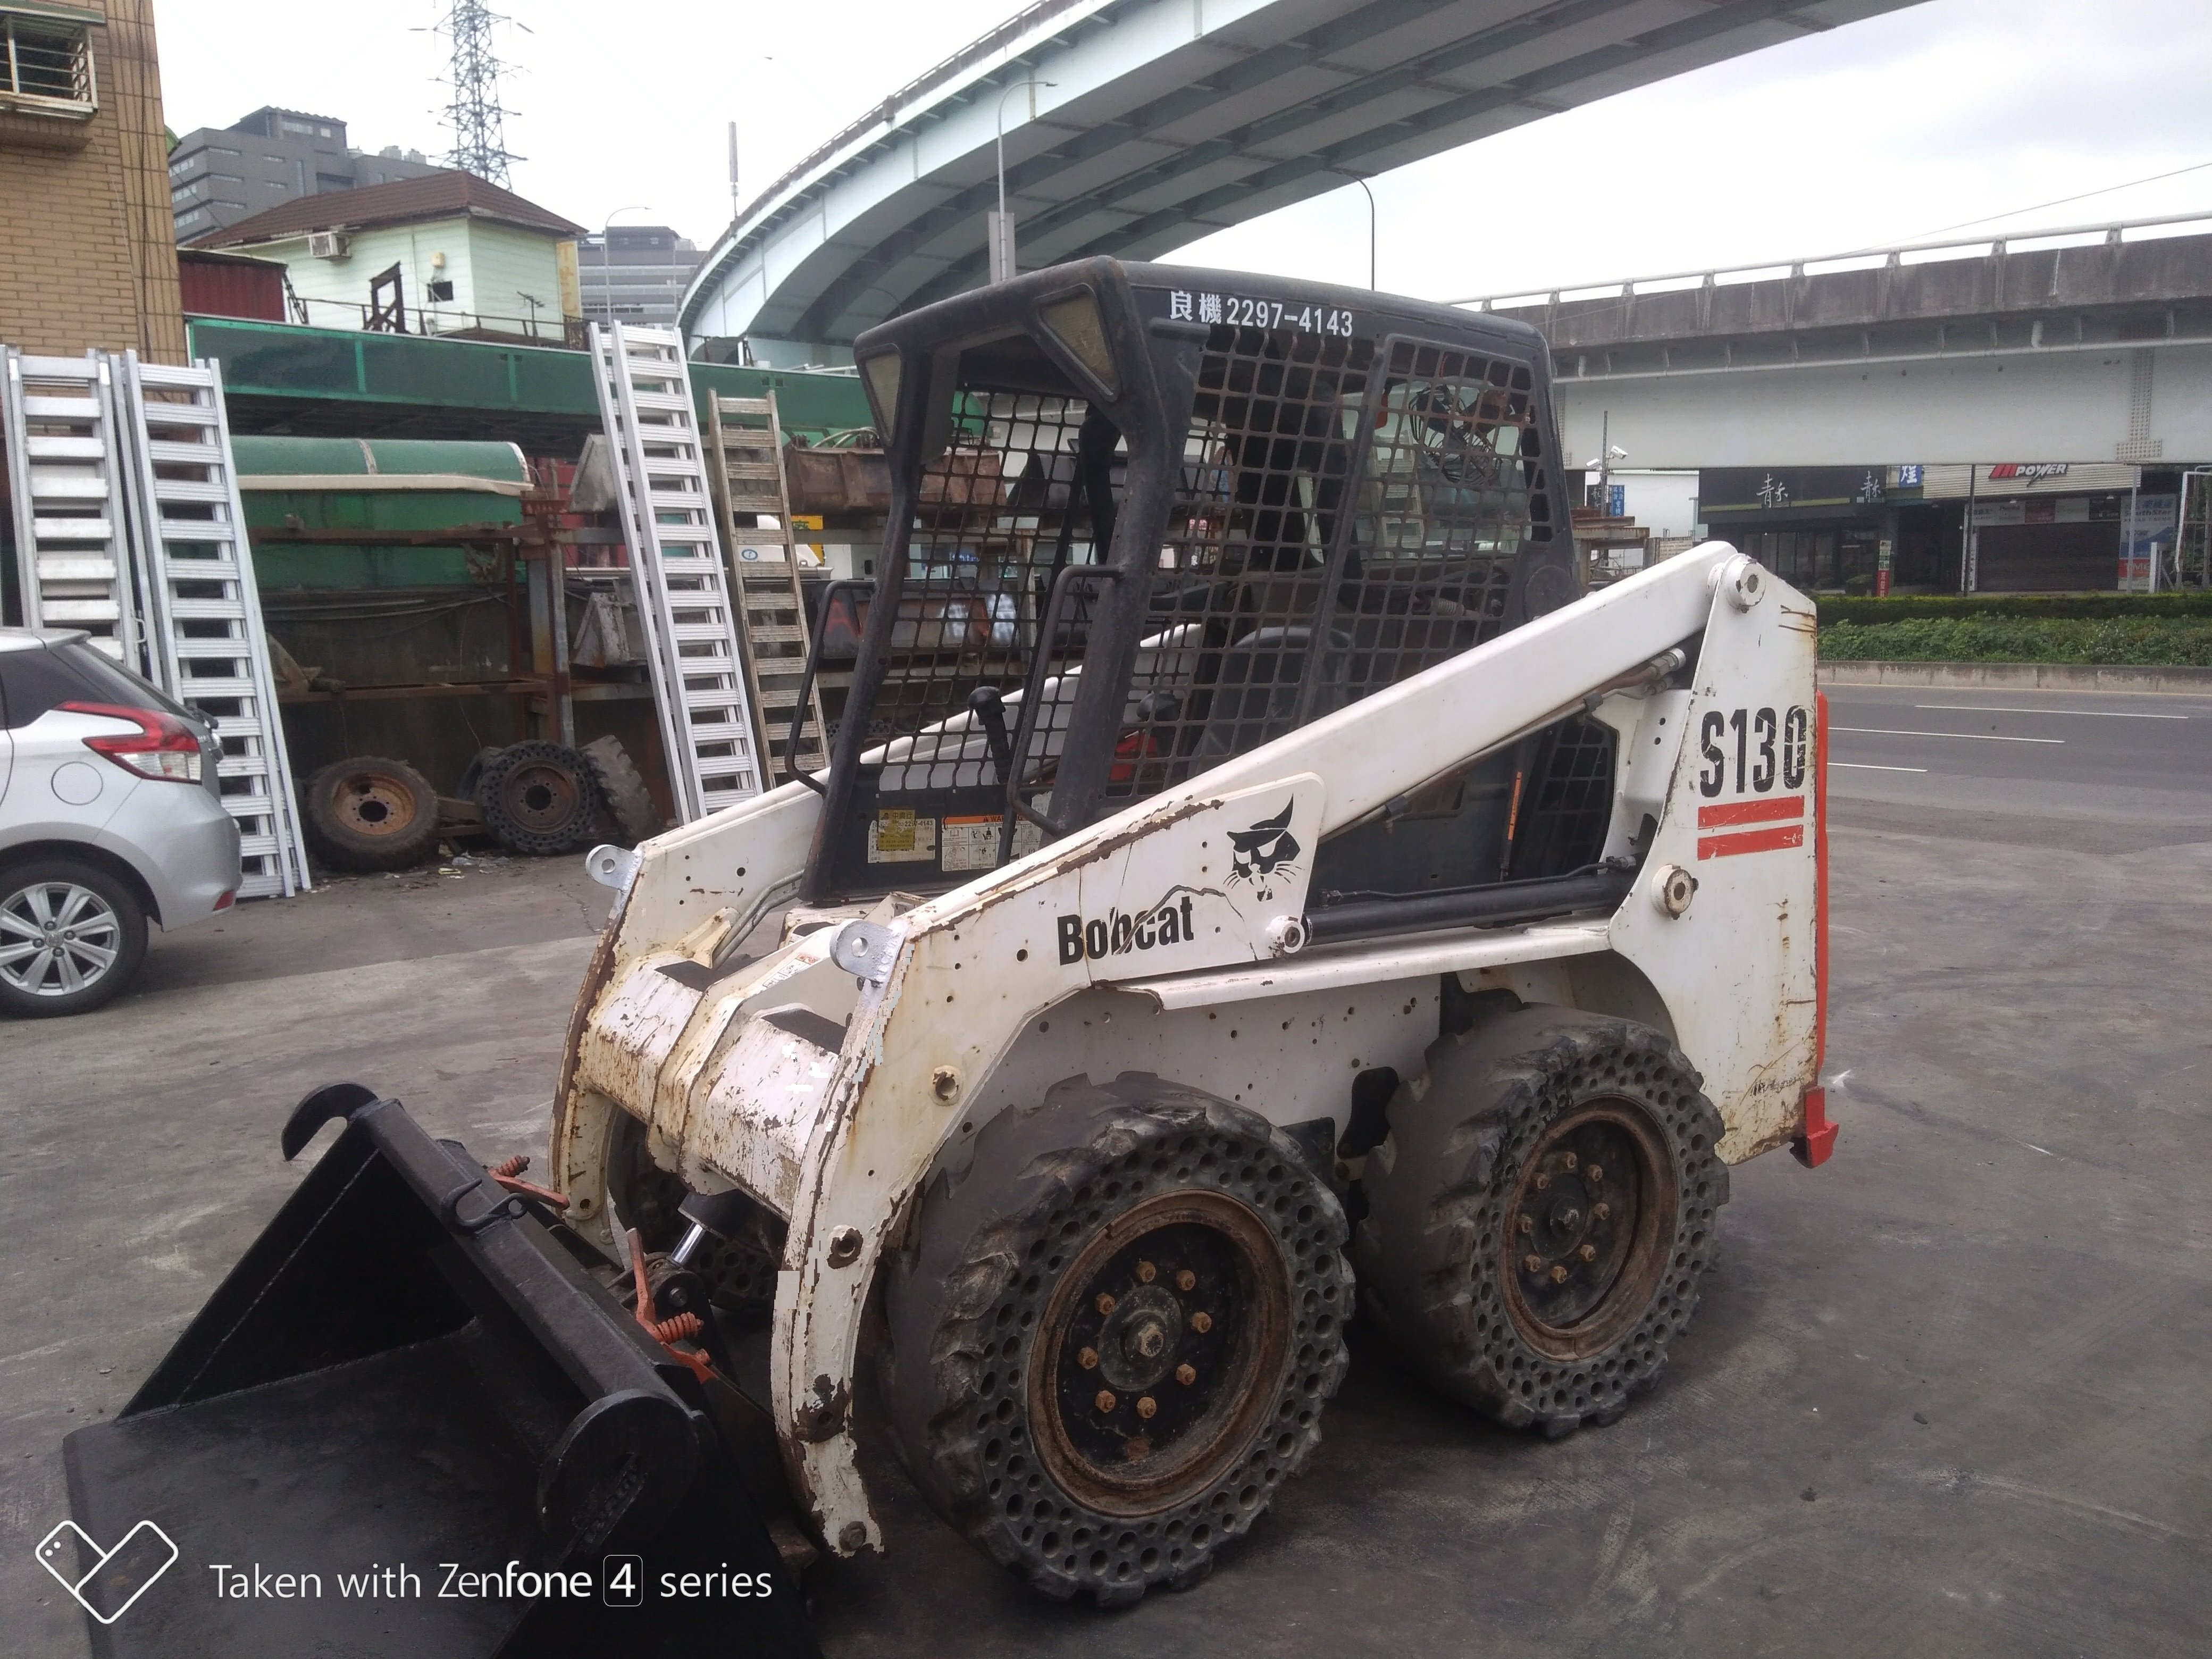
<point x="2093" y="714"/>
<point x="1978" y="737"/>
<point x="1862" y="766"/>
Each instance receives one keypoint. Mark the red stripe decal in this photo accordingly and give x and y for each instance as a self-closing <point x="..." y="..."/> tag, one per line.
<point x="1752" y="812"/>
<point x="1752" y="840"/>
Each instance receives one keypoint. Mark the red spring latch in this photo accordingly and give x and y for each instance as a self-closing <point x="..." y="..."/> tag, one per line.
<point x="1812" y="1148"/>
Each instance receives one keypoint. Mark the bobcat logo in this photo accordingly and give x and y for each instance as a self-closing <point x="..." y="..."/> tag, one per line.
<point x="1264" y="851"/>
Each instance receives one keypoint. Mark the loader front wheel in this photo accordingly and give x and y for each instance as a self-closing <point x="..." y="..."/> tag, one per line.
<point x="1114" y="1335"/>
<point x="1540" y="1214"/>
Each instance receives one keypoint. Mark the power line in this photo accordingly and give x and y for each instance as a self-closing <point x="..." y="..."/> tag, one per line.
<point x="1991" y="218"/>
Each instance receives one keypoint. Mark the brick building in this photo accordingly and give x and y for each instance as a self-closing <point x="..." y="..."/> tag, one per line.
<point x="88" y="257"/>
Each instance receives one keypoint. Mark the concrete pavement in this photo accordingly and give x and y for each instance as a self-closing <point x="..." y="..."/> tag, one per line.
<point x="1944" y="1396"/>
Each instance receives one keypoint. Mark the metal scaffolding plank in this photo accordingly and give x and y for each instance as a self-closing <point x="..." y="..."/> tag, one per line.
<point x="206" y="643"/>
<point x="749" y="487"/>
<point x="691" y="625"/>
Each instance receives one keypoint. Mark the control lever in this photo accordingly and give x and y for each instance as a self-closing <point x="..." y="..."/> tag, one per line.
<point x="989" y="710"/>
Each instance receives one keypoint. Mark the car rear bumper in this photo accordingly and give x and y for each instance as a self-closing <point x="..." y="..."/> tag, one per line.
<point x="185" y="845"/>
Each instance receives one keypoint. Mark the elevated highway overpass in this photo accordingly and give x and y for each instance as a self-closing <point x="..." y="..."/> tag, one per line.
<point x="1168" y="119"/>
<point x="2092" y="344"/>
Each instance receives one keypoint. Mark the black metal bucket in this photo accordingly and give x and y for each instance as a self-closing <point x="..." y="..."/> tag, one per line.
<point x="411" y="1423"/>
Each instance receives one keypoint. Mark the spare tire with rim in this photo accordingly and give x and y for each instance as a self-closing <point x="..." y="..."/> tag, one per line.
<point x="370" y="812"/>
<point x="539" y="797"/>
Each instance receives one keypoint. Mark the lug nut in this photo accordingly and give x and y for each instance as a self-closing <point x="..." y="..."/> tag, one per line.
<point x="1105" y="1303"/>
<point x="1542" y="1183"/>
<point x="1186" y="1280"/>
<point x="1527" y="1224"/>
<point x="1534" y="1264"/>
<point x="1087" y="1358"/>
<point x="1105" y="1400"/>
<point x="1146" y="1405"/>
<point x="1186" y="1375"/>
<point x="1594" y="1173"/>
<point x="1601" y="1211"/>
<point x="1570" y="1160"/>
<point x="1588" y="1252"/>
<point x="1146" y="1272"/>
<point x="1201" y="1323"/>
<point x="1559" y="1275"/>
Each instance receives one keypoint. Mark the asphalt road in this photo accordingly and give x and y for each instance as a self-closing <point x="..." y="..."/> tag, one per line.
<point x="2091" y="770"/>
<point x="1944" y="1396"/>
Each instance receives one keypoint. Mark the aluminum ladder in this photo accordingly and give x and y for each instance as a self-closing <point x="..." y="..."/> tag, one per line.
<point x="205" y="642"/>
<point x="696" y="657"/>
<point x="751" y="484"/>
<point x="66" y="478"/>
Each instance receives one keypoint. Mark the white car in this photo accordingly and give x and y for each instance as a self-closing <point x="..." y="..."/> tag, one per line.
<point x="111" y="816"/>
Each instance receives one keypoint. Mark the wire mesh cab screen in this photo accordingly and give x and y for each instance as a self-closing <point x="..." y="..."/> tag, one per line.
<point x="1357" y="500"/>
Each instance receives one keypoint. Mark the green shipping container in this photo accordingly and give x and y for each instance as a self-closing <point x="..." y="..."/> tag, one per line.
<point x="353" y="484"/>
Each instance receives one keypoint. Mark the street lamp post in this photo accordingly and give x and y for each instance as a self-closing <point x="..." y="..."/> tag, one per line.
<point x="1002" y="223"/>
<point x="1361" y="183"/>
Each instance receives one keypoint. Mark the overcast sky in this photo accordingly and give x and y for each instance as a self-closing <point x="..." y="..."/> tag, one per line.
<point x="1881" y="130"/>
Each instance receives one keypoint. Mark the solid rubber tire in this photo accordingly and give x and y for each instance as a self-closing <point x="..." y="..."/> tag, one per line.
<point x="624" y="788"/>
<point x="571" y="834"/>
<point x="1430" y="1250"/>
<point x="971" y="1291"/>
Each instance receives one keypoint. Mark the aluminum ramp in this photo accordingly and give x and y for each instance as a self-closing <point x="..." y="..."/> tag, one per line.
<point x="685" y="601"/>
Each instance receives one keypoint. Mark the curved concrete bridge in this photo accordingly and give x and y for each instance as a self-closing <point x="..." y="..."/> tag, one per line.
<point x="1170" y="118"/>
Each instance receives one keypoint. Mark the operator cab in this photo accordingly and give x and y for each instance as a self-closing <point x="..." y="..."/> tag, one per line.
<point x="1146" y="518"/>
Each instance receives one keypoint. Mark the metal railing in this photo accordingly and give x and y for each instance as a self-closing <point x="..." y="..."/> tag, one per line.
<point x="434" y="319"/>
<point x="1904" y="253"/>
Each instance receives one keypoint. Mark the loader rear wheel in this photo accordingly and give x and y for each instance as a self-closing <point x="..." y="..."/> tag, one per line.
<point x="1114" y="1335"/>
<point x="1540" y="1214"/>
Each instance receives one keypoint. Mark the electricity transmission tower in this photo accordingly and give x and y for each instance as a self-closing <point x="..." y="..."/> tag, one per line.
<point x="475" y="116"/>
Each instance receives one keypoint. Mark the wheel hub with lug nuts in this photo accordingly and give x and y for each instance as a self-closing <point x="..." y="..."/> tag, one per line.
<point x="1580" y="1229"/>
<point x="1165" y="1337"/>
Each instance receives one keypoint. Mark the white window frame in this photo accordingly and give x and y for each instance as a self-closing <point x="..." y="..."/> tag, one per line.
<point x="50" y="21"/>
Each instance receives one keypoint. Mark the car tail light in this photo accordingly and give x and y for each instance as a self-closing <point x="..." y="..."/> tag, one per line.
<point x="163" y="747"/>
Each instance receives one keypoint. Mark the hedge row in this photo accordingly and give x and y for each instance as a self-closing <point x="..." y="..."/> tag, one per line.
<point x="2085" y="606"/>
<point x="2144" y="641"/>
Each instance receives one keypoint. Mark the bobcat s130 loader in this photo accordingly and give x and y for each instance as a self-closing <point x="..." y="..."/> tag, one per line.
<point x="1250" y="877"/>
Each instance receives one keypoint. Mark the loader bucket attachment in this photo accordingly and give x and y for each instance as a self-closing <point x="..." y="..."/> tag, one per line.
<point x="411" y="1422"/>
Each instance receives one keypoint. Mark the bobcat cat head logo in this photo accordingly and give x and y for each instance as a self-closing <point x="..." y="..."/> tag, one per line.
<point x="1266" y="850"/>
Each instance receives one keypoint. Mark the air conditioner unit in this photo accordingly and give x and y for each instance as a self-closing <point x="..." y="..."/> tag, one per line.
<point x="326" y="245"/>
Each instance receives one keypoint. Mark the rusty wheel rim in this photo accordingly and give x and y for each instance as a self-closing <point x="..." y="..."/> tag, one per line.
<point x="1586" y="1232"/>
<point x="540" y="797"/>
<point x="1161" y="1352"/>
<point x="375" y="803"/>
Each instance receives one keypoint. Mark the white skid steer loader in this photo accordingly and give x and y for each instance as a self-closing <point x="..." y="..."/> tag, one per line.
<point x="1250" y="878"/>
<point x="1247" y="872"/>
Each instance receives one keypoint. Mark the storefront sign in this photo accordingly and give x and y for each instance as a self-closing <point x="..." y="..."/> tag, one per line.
<point x="1835" y="490"/>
